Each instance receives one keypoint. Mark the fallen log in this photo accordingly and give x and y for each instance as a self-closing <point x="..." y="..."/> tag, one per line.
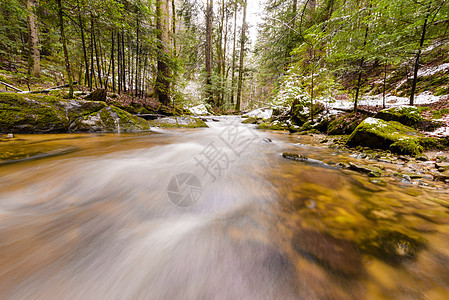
<point x="10" y="86"/>
<point x="369" y="113"/>
<point x="50" y="89"/>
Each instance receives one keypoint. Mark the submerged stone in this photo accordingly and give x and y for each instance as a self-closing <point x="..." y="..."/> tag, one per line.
<point x="392" y="246"/>
<point x="371" y="171"/>
<point x="336" y="254"/>
<point x="306" y="160"/>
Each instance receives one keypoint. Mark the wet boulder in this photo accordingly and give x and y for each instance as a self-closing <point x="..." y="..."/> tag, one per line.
<point x="406" y="115"/>
<point x="109" y="119"/>
<point x="379" y="134"/>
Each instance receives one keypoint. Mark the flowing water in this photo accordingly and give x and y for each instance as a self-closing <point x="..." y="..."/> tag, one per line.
<point x="213" y="213"/>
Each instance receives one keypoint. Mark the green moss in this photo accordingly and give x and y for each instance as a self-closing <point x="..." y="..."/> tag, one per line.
<point x="107" y="119"/>
<point x="407" y="115"/>
<point x="431" y="143"/>
<point x="23" y="113"/>
<point x="407" y="146"/>
<point x="251" y="120"/>
<point x="380" y="134"/>
<point x="129" y="122"/>
<point x="438" y="114"/>
<point x="442" y="90"/>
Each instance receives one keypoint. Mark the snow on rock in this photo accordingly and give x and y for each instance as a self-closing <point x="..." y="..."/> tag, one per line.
<point x="371" y="121"/>
<point x="442" y="131"/>
<point x="262" y="113"/>
<point x="200" y="110"/>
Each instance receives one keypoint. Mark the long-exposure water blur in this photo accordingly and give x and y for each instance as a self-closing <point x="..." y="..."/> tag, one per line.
<point x="144" y="216"/>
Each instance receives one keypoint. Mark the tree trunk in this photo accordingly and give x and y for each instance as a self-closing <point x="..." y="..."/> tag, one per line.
<point x="418" y="55"/>
<point x="92" y="71"/>
<point x="173" y="8"/>
<point x="233" y="54"/>
<point x="123" y="64"/>
<point x="83" y="41"/>
<point x="119" y="64"/>
<point x="209" y="20"/>
<point x="113" y="60"/>
<point x="64" y="47"/>
<point x="163" y="77"/>
<point x="384" y="85"/>
<point x="136" y="69"/>
<point x="242" y="53"/>
<point x="359" y="80"/>
<point x="34" y="59"/>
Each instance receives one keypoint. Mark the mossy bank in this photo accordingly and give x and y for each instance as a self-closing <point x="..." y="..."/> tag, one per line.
<point x="29" y="113"/>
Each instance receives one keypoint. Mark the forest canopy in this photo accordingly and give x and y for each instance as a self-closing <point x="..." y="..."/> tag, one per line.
<point x="190" y="51"/>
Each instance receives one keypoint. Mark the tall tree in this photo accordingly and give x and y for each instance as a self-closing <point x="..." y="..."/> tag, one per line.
<point x="242" y="54"/>
<point x="34" y="60"/>
<point x="208" y="49"/>
<point x="233" y="53"/>
<point x="64" y="47"/>
<point x="163" y="78"/>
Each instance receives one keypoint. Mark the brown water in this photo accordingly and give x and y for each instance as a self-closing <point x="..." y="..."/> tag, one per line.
<point x="94" y="220"/>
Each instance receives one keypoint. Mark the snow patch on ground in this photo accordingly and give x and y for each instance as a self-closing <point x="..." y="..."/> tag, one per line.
<point x="433" y="70"/>
<point x="262" y="113"/>
<point x="390" y="101"/>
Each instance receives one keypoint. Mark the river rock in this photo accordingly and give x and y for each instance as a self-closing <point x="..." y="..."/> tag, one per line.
<point x="442" y="166"/>
<point x="392" y="135"/>
<point x="369" y="170"/>
<point x="337" y="254"/>
<point x="391" y="246"/>
<point x="306" y="160"/>
<point x="443" y="176"/>
<point x="404" y="114"/>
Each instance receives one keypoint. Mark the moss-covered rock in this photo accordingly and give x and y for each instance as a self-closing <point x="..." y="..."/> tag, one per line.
<point x="252" y="120"/>
<point x="407" y="115"/>
<point x="27" y="113"/>
<point x="109" y="119"/>
<point x="275" y="125"/>
<point x="392" y="135"/>
<point x="178" y="122"/>
<point x="31" y="113"/>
